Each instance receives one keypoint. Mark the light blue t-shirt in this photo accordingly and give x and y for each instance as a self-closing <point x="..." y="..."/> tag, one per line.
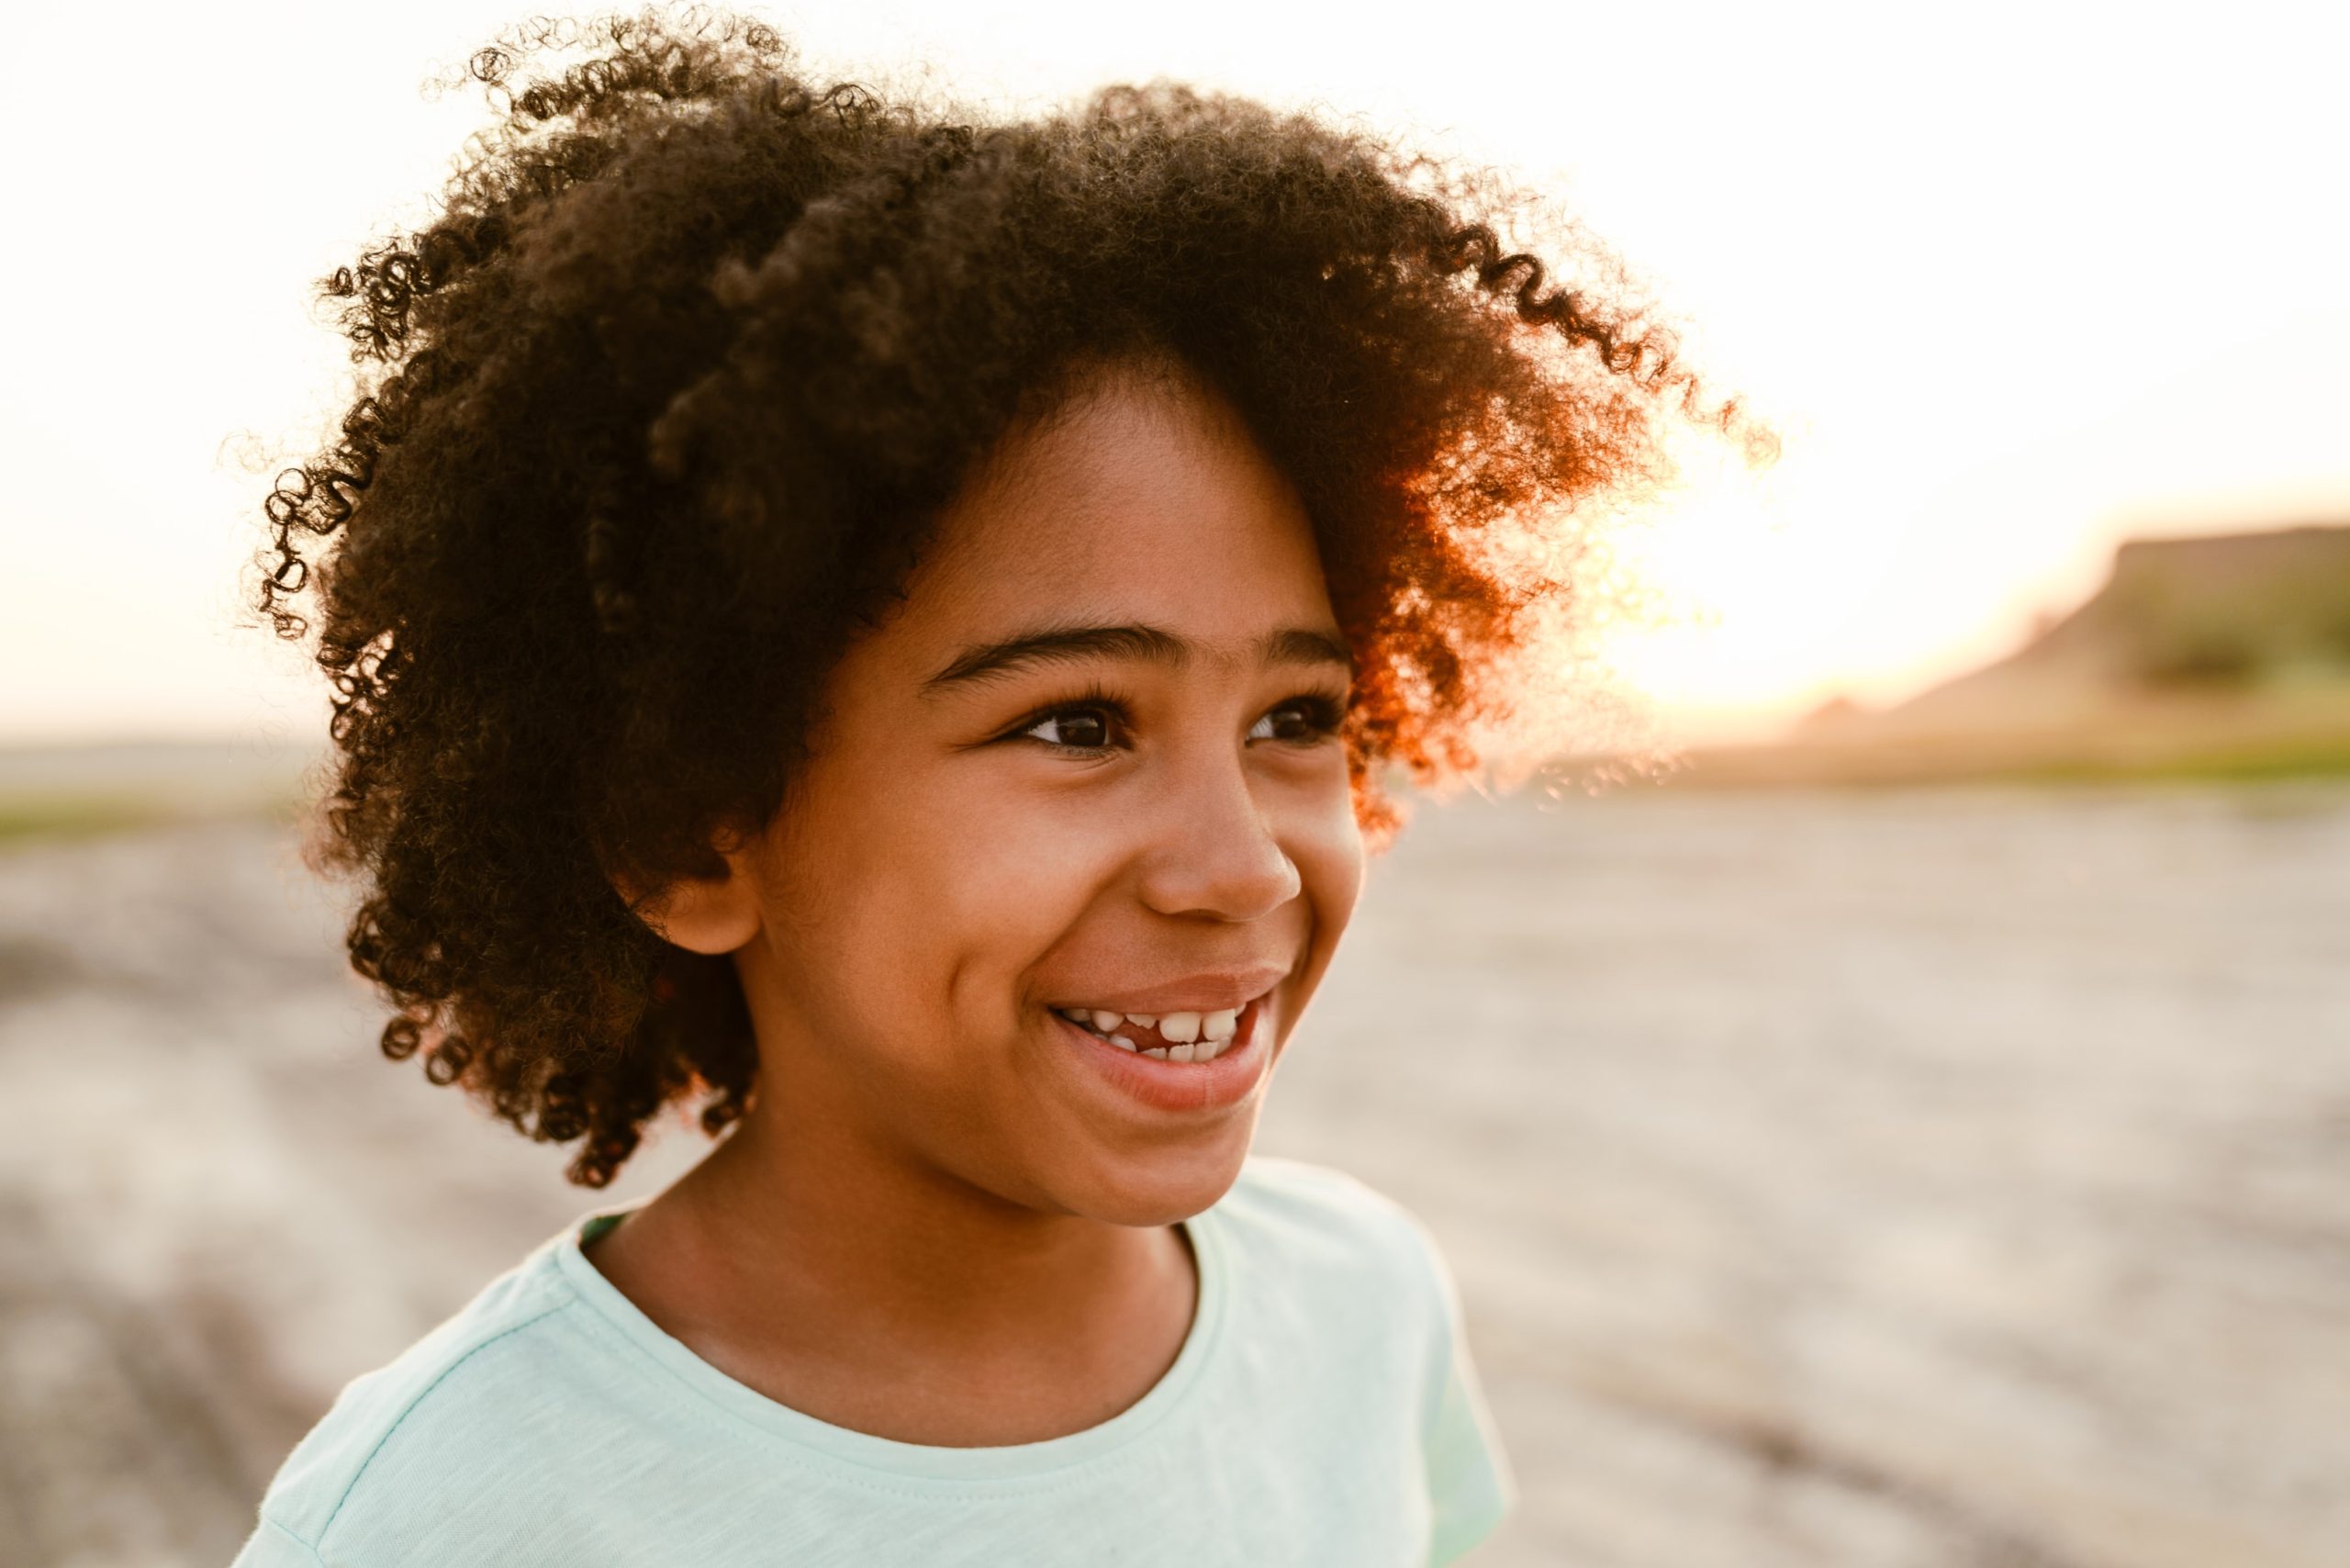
<point x="1322" y="1410"/>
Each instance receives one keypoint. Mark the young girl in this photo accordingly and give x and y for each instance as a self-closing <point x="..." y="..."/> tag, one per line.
<point x="891" y="630"/>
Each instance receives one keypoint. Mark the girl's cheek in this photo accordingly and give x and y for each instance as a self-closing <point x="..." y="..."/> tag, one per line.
<point x="1332" y="836"/>
<point x="1333" y="871"/>
<point x="1021" y="880"/>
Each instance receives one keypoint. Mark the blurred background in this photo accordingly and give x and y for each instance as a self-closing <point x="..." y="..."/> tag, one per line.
<point x="1899" y="1114"/>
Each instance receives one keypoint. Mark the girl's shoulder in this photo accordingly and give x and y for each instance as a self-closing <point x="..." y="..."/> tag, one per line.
<point x="502" y="1350"/>
<point x="1351" y="1276"/>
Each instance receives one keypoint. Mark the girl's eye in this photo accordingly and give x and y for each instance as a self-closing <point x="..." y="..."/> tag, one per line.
<point x="1077" y="729"/>
<point x="1301" y="719"/>
<point x="1101" y="726"/>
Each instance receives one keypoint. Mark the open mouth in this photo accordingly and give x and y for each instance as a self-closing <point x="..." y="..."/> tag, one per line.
<point x="1182" y="1037"/>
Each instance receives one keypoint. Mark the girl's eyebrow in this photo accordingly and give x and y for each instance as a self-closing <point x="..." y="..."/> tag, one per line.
<point x="1148" y="644"/>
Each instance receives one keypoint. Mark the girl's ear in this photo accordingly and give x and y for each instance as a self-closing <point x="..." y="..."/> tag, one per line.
<point x="713" y="911"/>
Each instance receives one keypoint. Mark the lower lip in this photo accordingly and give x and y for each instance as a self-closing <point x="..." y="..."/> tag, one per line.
<point x="1184" y="1085"/>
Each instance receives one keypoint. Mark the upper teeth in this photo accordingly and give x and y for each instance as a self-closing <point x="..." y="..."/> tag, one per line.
<point x="1179" y="1028"/>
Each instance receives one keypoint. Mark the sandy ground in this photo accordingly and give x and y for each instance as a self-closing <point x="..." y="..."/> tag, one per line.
<point x="1832" y="1179"/>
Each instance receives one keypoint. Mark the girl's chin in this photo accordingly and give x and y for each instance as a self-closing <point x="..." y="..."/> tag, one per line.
<point x="1161" y="1189"/>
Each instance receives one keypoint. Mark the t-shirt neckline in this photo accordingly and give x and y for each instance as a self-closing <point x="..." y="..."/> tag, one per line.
<point x="1174" y="1389"/>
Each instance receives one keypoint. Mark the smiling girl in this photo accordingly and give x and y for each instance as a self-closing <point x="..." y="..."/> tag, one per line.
<point x="889" y="629"/>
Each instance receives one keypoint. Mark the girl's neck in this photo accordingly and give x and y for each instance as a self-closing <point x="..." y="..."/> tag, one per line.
<point x="892" y="1298"/>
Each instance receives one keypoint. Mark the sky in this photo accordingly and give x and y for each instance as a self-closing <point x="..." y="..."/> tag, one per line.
<point x="2014" y="283"/>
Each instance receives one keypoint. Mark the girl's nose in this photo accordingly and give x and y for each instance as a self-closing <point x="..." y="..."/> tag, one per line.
<point x="1217" y="852"/>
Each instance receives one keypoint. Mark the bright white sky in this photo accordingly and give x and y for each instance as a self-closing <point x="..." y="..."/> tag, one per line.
<point x="2017" y="281"/>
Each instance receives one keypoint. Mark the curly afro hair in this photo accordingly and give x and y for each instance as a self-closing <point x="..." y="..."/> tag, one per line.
<point x="650" y="417"/>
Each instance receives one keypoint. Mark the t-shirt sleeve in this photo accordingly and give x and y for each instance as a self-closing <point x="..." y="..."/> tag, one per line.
<point x="1470" y="1487"/>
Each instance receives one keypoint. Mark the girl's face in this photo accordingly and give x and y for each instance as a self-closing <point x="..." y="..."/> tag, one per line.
<point x="1086" y="766"/>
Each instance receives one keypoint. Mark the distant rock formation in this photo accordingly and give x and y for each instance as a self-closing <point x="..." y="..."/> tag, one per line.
<point x="2195" y="618"/>
<point x="2226" y="654"/>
